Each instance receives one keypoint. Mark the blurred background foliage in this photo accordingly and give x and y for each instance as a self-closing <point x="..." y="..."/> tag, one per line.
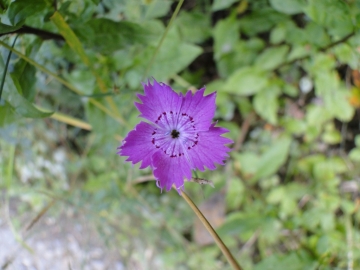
<point x="288" y="83"/>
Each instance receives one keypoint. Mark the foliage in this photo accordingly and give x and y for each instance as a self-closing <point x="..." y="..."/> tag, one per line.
<point x="288" y="82"/>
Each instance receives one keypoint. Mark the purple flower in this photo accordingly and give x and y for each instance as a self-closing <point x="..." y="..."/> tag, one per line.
<point x="179" y="136"/>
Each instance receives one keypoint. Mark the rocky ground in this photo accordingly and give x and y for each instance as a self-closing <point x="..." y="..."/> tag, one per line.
<point x="66" y="242"/>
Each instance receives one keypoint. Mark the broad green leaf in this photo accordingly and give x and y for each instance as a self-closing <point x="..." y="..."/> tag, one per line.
<point x="4" y="28"/>
<point x="346" y="54"/>
<point x="298" y="52"/>
<point x="20" y="10"/>
<point x="173" y="56"/>
<point x="333" y="14"/>
<point x="317" y="35"/>
<point x="272" y="57"/>
<point x="273" y="158"/>
<point x="235" y="193"/>
<point x="222" y="4"/>
<point x="156" y="8"/>
<point x="107" y="36"/>
<point x="226" y="35"/>
<point x="357" y="141"/>
<point x="291" y="261"/>
<point x="7" y="113"/>
<point x="266" y="103"/>
<point x="17" y="101"/>
<point x="25" y="73"/>
<point x="247" y="162"/>
<point x="261" y="20"/>
<point x="289" y="6"/>
<point x="277" y="34"/>
<point x="335" y="97"/>
<point x="244" y="54"/>
<point x="186" y="22"/>
<point x="276" y="195"/>
<point x="74" y="43"/>
<point x="246" y="81"/>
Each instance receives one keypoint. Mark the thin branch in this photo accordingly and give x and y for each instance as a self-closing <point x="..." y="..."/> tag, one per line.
<point x="243" y="131"/>
<point x="323" y="49"/>
<point x="177" y="9"/>
<point x="45" y="35"/>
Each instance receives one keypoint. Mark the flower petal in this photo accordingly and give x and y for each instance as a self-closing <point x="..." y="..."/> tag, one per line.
<point x="210" y="149"/>
<point x="169" y="171"/>
<point x="201" y="108"/>
<point x="159" y="98"/>
<point x="138" y="146"/>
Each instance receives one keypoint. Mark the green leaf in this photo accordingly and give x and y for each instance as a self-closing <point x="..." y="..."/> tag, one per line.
<point x="107" y="36"/>
<point x="331" y="135"/>
<point x="24" y="72"/>
<point x="17" y="101"/>
<point x="4" y="28"/>
<point x="354" y="155"/>
<point x="173" y="56"/>
<point x="333" y="14"/>
<point x="357" y="141"/>
<point x="222" y="4"/>
<point x="246" y="81"/>
<point x="7" y="113"/>
<point x="290" y="7"/>
<point x="277" y="34"/>
<point x="20" y="10"/>
<point x="244" y="54"/>
<point x="346" y="54"/>
<point x="266" y="103"/>
<point x="156" y="8"/>
<point x="291" y="261"/>
<point x="272" y="57"/>
<point x="335" y="97"/>
<point x="226" y="35"/>
<point x="234" y="195"/>
<point x="186" y="22"/>
<point x="273" y="158"/>
<point x="261" y="20"/>
<point x="247" y="162"/>
<point x="316" y="34"/>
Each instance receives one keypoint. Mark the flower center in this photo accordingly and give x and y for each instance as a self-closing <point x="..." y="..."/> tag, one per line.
<point x="175" y="134"/>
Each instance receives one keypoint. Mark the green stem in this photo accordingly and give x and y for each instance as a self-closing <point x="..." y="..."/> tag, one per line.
<point x="163" y="36"/>
<point x="213" y="233"/>
<point x="6" y="67"/>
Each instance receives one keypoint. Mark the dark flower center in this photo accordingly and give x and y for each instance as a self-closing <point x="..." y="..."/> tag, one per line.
<point x="175" y="134"/>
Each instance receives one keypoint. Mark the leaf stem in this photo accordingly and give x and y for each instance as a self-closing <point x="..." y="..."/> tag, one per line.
<point x="177" y="9"/>
<point x="213" y="233"/>
<point x="6" y="67"/>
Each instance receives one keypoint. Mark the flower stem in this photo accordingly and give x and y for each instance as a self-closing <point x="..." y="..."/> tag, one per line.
<point x="213" y="233"/>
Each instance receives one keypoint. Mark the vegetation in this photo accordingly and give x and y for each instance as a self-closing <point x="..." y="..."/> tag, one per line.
<point x="288" y="88"/>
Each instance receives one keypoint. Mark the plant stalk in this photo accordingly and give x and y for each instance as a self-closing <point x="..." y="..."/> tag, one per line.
<point x="213" y="233"/>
